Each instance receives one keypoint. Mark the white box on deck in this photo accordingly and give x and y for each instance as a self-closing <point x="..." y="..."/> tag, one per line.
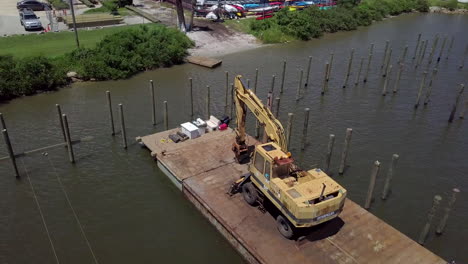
<point x="201" y="126"/>
<point x="213" y="123"/>
<point x="190" y="130"/>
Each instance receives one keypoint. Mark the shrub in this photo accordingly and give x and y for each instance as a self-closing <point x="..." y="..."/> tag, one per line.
<point x="59" y="4"/>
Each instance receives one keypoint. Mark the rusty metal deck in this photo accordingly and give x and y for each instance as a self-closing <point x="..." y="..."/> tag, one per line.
<point x="204" y="167"/>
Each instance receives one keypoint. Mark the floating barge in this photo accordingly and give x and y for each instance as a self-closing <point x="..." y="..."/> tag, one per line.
<point x="204" y="61"/>
<point x="203" y="169"/>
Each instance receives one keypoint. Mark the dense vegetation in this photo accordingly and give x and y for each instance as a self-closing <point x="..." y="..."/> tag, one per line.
<point x="117" y="56"/>
<point x="449" y="4"/>
<point x="313" y="22"/>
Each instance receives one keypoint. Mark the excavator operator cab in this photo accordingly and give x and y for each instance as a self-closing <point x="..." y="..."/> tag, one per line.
<point x="272" y="162"/>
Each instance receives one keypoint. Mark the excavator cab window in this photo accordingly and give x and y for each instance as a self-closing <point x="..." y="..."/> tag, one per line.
<point x="281" y="171"/>
<point x="259" y="162"/>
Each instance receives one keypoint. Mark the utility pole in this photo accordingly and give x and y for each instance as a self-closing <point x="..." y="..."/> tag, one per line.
<point x="74" y="24"/>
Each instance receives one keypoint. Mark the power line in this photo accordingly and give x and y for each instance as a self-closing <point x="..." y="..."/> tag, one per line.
<point x="73" y="210"/>
<point x="40" y="212"/>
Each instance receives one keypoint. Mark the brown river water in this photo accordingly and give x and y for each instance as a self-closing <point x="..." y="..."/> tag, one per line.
<point x="131" y="213"/>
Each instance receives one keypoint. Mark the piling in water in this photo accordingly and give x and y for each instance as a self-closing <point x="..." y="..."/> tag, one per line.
<point x="2" y="121"/>
<point x="304" y="130"/>
<point x="417" y="46"/>
<point x="111" y="115"/>
<point x="387" y="63"/>
<point x="442" y="49"/>
<point x="71" y="155"/>
<point x="369" y="60"/>
<point x="387" y="74"/>
<point x="283" y="75"/>
<point x="398" y="77"/>
<point x="191" y="97"/>
<point x="370" y="190"/>
<point x="256" y="81"/>
<point x="350" y="63"/>
<point x="62" y="128"/>
<point x="208" y="99"/>
<point x="248" y="83"/>
<point x="331" y="142"/>
<point x="122" y="125"/>
<point x="227" y="91"/>
<point x="430" y="215"/>
<point x="299" y="86"/>
<point x="462" y="64"/>
<point x="358" y="76"/>
<point x="443" y="221"/>
<point x="421" y="87"/>
<point x="277" y="103"/>
<point x="153" y="103"/>
<point x="257" y="129"/>
<point x="388" y="179"/>
<point x="455" y="105"/>
<point x="403" y="55"/>
<point x="166" y="116"/>
<point x="6" y="137"/>
<point x="231" y="115"/>
<point x="344" y="155"/>
<point x="309" y="64"/>
<point x="429" y="88"/>
<point x="273" y="77"/>
<point x="289" y="129"/>
<point x="325" y="83"/>
<point x="424" y="51"/>
<point x="385" y="55"/>
<point x="434" y="47"/>
<point x="462" y="112"/>
<point x="332" y="55"/>
<point x="420" y="54"/>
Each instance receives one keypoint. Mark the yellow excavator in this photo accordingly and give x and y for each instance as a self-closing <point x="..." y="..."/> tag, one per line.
<point x="303" y="198"/>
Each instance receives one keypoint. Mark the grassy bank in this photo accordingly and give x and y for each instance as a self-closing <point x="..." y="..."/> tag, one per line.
<point x="312" y="22"/>
<point x="118" y="55"/>
<point x="55" y="44"/>
<point x="449" y="4"/>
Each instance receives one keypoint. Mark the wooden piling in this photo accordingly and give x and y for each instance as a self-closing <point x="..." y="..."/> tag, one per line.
<point x="398" y="77"/>
<point x="387" y="63"/>
<point x="6" y="137"/>
<point x="166" y="116"/>
<point x="62" y="128"/>
<point x="248" y="83"/>
<point x="331" y="142"/>
<point x="277" y="103"/>
<point x="289" y="129"/>
<point x="122" y="125"/>
<point x="358" y="76"/>
<point x="429" y="88"/>
<point x="309" y="64"/>
<point x="71" y="155"/>
<point x="283" y="76"/>
<point x="462" y="64"/>
<point x="450" y="47"/>
<point x="387" y="74"/>
<point x="227" y="91"/>
<point x="462" y="112"/>
<point x="430" y="215"/>
<point x="304" y="130"/>
<point x="208" y="99"/>
<point x="434" y="47"/>
<point x="424" y="51"/>
<point x="417" y="46"/>
<point x="421" y="87"/>
<point x="420" y="54"/>
<point x="325" y="83"/>
<point x="370" y="190"/>
<point x="111" y="114"/>
<point x="442" y="49"/>
<point x="298" y="92"/>
<point x="350" y="63"/>
<point x="153" y="103"/>
<point x="388" y="179"/>
<point x="191" y="97"/>
<point x="344" y="155"/>
<point x="332" y="55"/>
<point x="231" y="115"/>
<point x="273" y="77"/>
<point x="443" y="221"/>
<point x="403" y="55"/>
<point x="455" y="105"/>
<point x="384" y="59"/>
<point x="369" y="60"/>
<point x="256" y="81"/>
<point x="2" y="121"/>
<point x="257" y="129"/>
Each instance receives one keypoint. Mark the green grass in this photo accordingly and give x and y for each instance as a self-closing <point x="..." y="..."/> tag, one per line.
<point x="446" y="4"/>
<point x="272" y="36"/>
<point x="121" y="11"/>
<point x="54" y="44"/>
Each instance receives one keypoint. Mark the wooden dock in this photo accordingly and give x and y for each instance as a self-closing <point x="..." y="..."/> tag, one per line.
<point x="204" y="61"/>
<point x="203" y="169"/>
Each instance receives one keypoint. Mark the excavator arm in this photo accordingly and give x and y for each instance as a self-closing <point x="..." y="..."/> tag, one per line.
<point x="244" y="98"/>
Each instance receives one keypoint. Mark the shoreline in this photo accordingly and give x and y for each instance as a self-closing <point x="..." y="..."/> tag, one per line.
<point x="443" y="10"/>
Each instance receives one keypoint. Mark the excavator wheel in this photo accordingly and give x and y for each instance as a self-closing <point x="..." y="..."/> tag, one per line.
<point x="250" y="193"/>
<point x="284" y="227"/>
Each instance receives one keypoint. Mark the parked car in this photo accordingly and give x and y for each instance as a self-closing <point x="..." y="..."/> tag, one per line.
<point x="29" y="20"/>
<point x="33" y="5"/>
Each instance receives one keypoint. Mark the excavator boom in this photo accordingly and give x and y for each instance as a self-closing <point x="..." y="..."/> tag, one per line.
<point x="244" y="99"/>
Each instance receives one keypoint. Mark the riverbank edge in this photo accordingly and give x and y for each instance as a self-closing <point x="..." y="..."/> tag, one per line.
<point x="443" y="10"/>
